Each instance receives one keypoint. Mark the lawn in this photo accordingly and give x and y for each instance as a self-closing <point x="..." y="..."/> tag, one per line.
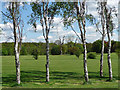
<point x="66" y="71"/>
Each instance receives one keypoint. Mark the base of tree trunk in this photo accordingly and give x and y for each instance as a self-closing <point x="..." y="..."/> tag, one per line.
<point x="47" y="73"/>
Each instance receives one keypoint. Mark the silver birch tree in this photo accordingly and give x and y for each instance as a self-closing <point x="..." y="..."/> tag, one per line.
<point x="101" y="10"/>
<point x="14" y="16"/>
<point x="44" y="12"/>
<point x="110" y="26"/>
<point x="81" y="23"/>
<point x="76" y="12"/>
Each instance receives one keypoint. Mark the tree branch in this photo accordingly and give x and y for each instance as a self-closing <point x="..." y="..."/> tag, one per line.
<point x="6" y="15"/>
<point x="76" y="33"/>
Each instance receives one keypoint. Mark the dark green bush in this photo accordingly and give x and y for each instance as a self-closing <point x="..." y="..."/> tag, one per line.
<point x="10" y="51"/>
<point x="77" y="53"/>
<point x="96" y="46"/>
<point x="35" y="54"/>
<point x="23" y="51"/>
<point x="72" y="50"/>
<point x="4" y="51"/>
<point x="64" y="49"/>
<point x="117" y="51"/>
<point x="55" y="50"/>
<point x="91" y="55"/>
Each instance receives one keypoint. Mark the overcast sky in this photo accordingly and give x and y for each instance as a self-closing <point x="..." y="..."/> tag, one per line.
<point x="59" y="30"/>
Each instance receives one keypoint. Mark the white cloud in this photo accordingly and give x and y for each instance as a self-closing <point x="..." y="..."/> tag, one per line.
<point x="6" y="34"/>
<point x="113" y="3"/>
<point x="40" y="37"/>
<point x="59" y="31"/>
<point x="6" y="5"/>
<point x="7" y="26"/>
<point x="33" y="40"/>
<point x="115" y="36"/>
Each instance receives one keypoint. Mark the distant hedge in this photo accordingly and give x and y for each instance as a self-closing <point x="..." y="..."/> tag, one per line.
<point x="54" y="49"/>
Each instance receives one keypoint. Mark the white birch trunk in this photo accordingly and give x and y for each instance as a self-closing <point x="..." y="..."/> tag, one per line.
<point x="47" y="58"/>
<point x="103" y="36"/>
<point x="82" y="27"/>
<point x="17" y="63"/>
<point x="85" y="62"/>
<point x="101" y="59"/>
<point x="109" y="56"/>
<point x="109" y="42"/>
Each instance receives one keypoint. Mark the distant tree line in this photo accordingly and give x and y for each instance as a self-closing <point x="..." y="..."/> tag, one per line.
<point x="67" y="48"/>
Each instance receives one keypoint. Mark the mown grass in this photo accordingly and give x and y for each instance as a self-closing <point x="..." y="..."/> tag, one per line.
<point x="65" y="72"/>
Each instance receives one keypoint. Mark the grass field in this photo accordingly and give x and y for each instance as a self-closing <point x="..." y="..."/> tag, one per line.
<point x="65" y="72"/>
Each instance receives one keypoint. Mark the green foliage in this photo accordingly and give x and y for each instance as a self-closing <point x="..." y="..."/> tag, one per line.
<point x="72" y="50"/>
<point x="4" y="51"/>
<point x="89" y="47"/>
<point x="96" y="47"/>
<point x="117" y="51"/>
<point x="38" y="11"/>
<point x="80" y="46"/>
<point x="106" y="47"/>
<point x="55" y="50"/>
<point x="91" y="55"/>
<point x="69" y="14"/>
<point x="68" y="48"/>
<point x="115" y="46"/>
<point x="64" y="49"/>
<point x="10" y="51"/>
<point x="35" y="53"/>
<point x="90" y="18"/>
<point x="23" y="51"/>
<point x="78" y="53"/>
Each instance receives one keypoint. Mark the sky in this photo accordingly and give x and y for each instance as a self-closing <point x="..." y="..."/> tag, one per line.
<point x="59" y="30"/>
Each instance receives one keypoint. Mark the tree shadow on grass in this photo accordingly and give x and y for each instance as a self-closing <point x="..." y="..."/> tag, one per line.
<point x="96" y="75"/>
<point x="40" y="77"/>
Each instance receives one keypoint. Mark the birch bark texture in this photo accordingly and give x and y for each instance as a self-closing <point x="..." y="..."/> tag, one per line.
<point x="76" y="11"/>
<point x="44" y="12"/>
<point x="101" y="12"/>
<point x="109" y="27"/>
<point x="81" y="23"/>
<point x="103" y="37"/>
<point x="14" y="16"/>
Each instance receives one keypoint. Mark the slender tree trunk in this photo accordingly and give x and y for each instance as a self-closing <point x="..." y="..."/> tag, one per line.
<point x="81" y="13"/>
<point x="109" y="28"/>
<point x="85" y="62"/>
<point x="47" y="58"/>
<point x="101" y="59"/>
<point x="103" y="36"/>
<point x="109" y="57"/>
<point x="17" y="63"/>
